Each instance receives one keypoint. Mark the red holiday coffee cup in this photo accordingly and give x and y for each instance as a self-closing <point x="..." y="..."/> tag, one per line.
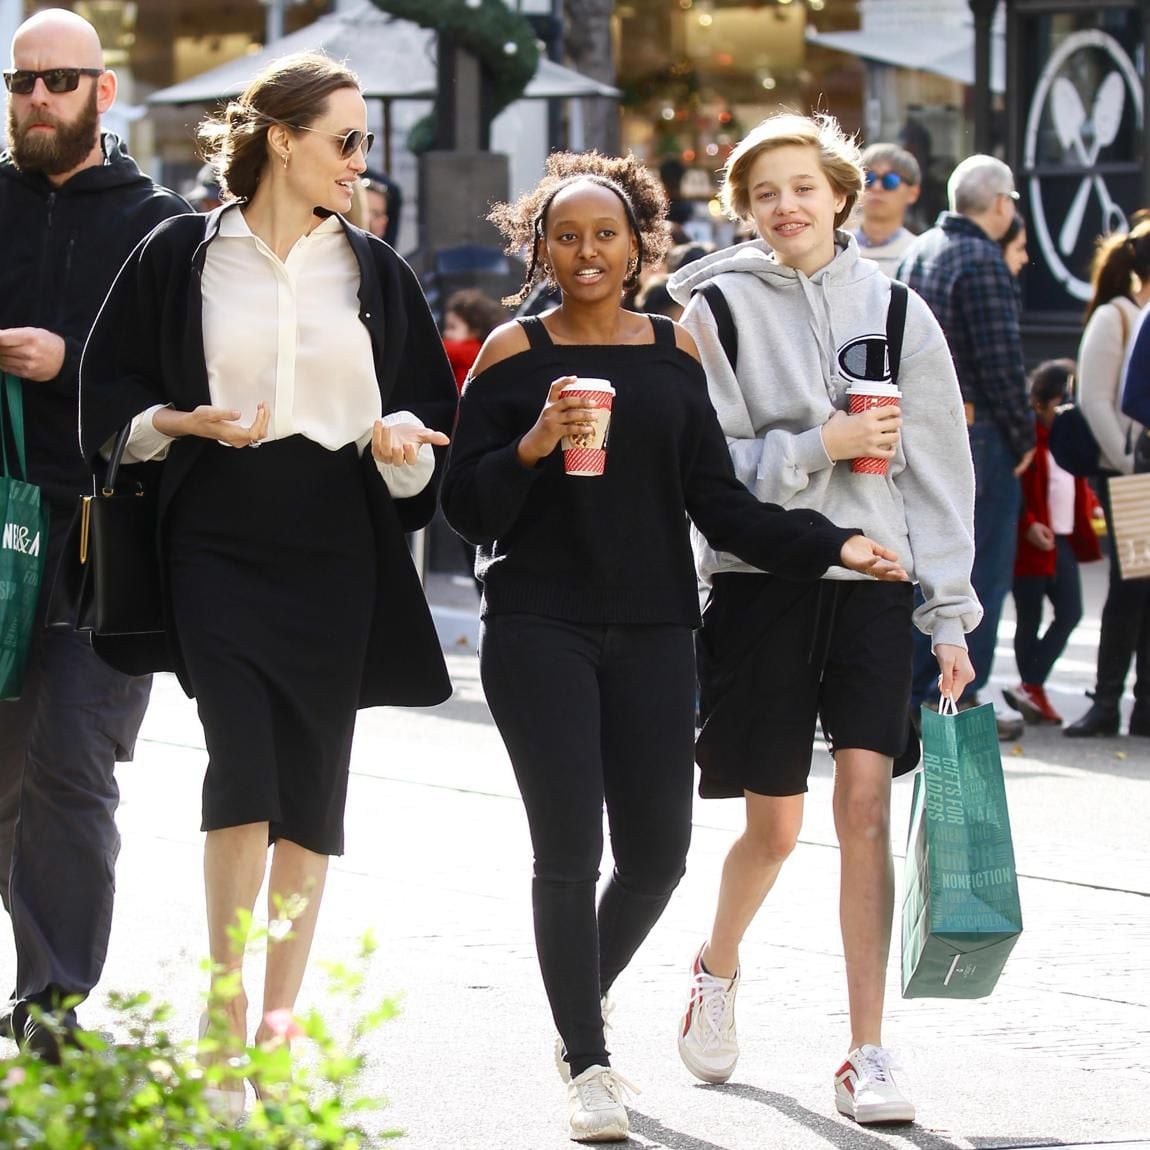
<point x="587" y="454"/>
<point x="864" y="396"/>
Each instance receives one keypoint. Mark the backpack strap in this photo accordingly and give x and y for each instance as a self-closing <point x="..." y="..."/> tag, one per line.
<point x="895" y="326"/>
<point x="724" y="321"/>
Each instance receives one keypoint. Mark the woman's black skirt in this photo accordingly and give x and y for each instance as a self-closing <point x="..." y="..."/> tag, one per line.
<point x="272" y="568"/>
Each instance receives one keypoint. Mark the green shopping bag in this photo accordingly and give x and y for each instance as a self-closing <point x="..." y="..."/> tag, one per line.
<point x="23" y="539"/>
<point x="960" y="913"/>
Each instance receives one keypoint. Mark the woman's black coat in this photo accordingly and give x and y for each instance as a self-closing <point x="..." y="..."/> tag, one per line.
<point x="147" y="347"/>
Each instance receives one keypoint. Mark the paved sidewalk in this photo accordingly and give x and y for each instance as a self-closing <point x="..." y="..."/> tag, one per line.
<point x="438" y="866"/>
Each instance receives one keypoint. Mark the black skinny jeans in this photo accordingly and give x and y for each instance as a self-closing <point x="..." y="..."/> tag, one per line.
<point x="593" y="714"/>
<point x="1125" y="628"/>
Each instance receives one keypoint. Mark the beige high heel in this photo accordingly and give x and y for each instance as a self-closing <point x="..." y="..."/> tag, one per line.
<point x="226" y="1103"/>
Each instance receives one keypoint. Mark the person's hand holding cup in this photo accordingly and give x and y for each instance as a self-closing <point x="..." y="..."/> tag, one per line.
<point x="882" y="429"/>
<point x="585" y="452"/>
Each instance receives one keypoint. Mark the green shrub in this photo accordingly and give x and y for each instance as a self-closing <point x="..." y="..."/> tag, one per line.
<point x="146" y="1092"/>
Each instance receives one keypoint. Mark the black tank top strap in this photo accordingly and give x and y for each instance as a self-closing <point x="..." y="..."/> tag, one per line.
<point x="536" y="333"/>
<point x="664" y="331"/>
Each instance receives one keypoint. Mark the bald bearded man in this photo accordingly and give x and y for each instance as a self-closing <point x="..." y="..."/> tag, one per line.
<point x="73" y="204"/>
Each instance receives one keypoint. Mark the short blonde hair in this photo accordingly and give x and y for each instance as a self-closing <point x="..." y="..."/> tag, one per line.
<point x="839" y="158"/>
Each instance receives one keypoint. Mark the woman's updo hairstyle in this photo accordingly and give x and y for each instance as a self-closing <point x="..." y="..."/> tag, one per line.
<point x="523" y="223"/>
<point x="292" y="90"/>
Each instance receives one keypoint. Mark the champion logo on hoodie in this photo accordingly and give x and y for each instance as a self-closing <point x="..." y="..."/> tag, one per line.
<point x="865" y="358"/>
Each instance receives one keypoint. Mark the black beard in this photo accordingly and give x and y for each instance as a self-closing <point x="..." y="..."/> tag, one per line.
<point x="59" y="152"/>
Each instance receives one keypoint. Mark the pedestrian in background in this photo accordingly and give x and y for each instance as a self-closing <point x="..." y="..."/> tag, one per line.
<point x="73" y="204"/>
<point x="776" y="655"/>
<point x="893" y="182"/>
<point x="385" y="204"/>
<point x="1055" y="534"/>
<point x="959" y="269"/>
<point x="1013" y="244"/>
<point x="469" y="317"/>
<point x="377" y="199"/>
<point x="1120" y="279"/>
<point x="257" y="348"/>
<point x="590" y="594"/>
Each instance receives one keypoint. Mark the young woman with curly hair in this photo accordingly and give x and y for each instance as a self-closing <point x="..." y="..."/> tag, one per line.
<point x="589" y="587"/>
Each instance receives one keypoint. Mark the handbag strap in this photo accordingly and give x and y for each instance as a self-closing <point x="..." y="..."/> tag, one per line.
<point x="12" y="417"/>
<point x="115" y="459"/>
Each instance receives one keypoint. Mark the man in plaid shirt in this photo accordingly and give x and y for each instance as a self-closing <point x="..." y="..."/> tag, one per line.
<point x="957" y="267"/>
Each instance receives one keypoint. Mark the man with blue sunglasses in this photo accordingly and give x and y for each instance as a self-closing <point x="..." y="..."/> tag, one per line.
<point x="893" y="183"/>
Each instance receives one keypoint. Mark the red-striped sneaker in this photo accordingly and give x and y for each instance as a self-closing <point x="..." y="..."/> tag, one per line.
<point x="866" y="1091"/>
<point x="1030" y="699"/>
<point x="708" y="1045"/>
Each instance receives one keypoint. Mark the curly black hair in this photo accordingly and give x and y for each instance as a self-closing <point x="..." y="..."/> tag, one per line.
<point x="639" y="189"/>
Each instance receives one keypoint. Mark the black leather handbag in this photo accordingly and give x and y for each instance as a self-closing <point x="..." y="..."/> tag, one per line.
<point x="108" y="581"/>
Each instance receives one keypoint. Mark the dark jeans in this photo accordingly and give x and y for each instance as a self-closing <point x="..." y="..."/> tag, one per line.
<point x="589" y="714"/>
<point x="997" y="501"/>
<point x="1125" y="628"/>
<point x="59" y="744"/>
<point x="1036" y="655"/>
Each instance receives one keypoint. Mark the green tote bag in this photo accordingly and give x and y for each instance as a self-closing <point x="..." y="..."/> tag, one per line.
<point x="23" y="540"/>
<point x="960" y="915"/>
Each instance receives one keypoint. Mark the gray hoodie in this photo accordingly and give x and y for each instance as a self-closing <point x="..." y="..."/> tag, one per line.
<point x="802" y="341"/>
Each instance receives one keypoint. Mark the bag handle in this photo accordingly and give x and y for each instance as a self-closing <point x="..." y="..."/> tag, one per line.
<point x="12" y="415"/>
<point x="947" y="705"/>
<point x="115" y="459"/>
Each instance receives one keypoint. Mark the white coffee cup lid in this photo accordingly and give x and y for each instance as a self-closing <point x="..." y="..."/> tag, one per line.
<point x="590" y="385"/>
<point x="870" y="388"/>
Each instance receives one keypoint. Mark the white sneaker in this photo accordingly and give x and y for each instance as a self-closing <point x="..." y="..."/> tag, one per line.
<point x="707" y="1042"/>
<point x="866" y="1091"/>
<point x="561" y="1063"/>
<point x="595" y="1110"/>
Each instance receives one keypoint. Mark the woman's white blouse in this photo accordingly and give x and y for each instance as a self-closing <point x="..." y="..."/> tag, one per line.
<point x="288" y="334"/>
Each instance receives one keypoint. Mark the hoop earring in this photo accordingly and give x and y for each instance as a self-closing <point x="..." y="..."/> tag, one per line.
<point x="546" y="270"/>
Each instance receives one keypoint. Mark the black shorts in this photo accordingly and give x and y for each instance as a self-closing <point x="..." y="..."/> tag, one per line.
<point x="775" y="655"/>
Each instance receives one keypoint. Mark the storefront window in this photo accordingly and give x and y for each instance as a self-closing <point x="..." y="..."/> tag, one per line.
<point x="698" y="74"/>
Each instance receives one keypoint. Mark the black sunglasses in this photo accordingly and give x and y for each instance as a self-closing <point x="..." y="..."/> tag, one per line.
<point x="57" y="80"/>
<point x="889" y="180"/>
<point x="349" y="144"/>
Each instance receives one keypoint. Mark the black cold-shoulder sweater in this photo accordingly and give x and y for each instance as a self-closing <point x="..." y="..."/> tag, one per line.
<point x="613" y="548"/>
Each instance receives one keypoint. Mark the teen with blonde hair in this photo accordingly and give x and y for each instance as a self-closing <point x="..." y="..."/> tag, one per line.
<point x="774" y="655"/>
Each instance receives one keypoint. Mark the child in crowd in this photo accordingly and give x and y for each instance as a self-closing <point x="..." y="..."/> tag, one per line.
<point x="469" y="318"/>
<point x="1055" y="534"/>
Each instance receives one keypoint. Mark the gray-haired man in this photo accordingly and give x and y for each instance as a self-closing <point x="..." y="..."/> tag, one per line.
<point x="957" y="267"/>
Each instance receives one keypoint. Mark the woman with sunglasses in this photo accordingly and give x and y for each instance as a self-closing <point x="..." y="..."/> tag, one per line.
<point x="256" y="350"/>
<point x="892" y="178"/>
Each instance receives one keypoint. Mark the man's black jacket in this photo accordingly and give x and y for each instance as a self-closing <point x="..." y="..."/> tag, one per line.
<point x="60" y="252"/>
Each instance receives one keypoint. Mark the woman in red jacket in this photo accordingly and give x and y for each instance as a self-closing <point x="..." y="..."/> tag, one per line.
<point x="1055" y="534"/>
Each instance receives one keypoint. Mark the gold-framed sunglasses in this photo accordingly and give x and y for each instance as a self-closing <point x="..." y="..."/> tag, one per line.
<point x="349" y="142"/>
